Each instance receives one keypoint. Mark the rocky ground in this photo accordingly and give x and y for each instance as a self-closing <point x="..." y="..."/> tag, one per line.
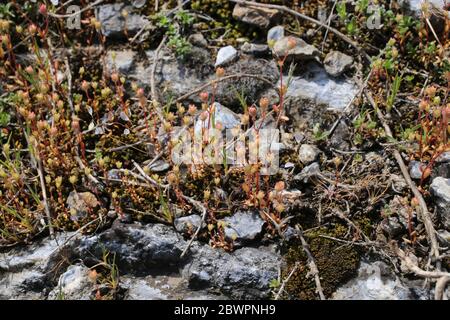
<point x="93" y="206"/>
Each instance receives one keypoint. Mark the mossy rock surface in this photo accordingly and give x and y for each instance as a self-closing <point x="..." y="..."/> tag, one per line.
<point x="337" y="263"/>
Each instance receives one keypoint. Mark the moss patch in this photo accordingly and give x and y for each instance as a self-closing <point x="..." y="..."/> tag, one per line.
<point x="336" y="262"/>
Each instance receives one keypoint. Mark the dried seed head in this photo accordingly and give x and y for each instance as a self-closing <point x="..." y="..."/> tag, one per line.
<point x="32" y="29"/>
<point x="192" y="109"/>
<point x="85" y="85"/>
<point x="245" y="119"/>
<point x="4" y="25"/>
<point x="41" y="124"/>
<point x="181" y="109"/>
<point x="279" y="186"/>
<point x="264" y="103"/>
<point x="431" y="91"/>
<point x="140" y="92"/>
<point x="31" y="116"/>
<point x="423" y="104"/>
<point x="260" y="196"/>
<point x="414" y="202"/>
<point x="172" y="178"/>
<point x="115" y="77"/>
<point x="53" y="131"/>
<point x="279" y="207"/>
<point x="204" y="115"/>
<point x="75" y="124"/>
<point x="220" y="72"/>
<point x="291" y="43"/>
<point x="58" y="182"/>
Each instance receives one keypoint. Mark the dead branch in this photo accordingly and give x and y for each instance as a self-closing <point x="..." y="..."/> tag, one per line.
<point x="215" y="81"/>
<point x="153" y="90"/>
<point x="149" y="179"/>
<point x="311" y="263"/>
<point x="408" y="263"/>
<point x="201" y="207"/>
<point x="285" y="281"/>
<point x="439" y="289"/>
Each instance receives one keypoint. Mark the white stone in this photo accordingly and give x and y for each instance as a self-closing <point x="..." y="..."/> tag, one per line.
<point x="225" y="55"/>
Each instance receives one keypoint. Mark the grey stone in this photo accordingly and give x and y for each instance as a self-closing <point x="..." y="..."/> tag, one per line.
<point x="244" y="274"/>
<point x="226" y="55"/>
<point x="139" y="3"/>
<point x="251" y="88"/>
<point x="440" y="189"/>
<point x="141" y="289"/>
<point x="243" y="227"/>
<point x="435" y="9"/>
<point x="159" y="166"/>
<point x="81" y="204"/>
<point x="198" y="39"/>
<point x="162" y="287"/>
<point x="340" y="137"/>
<point x="398" y="183"/>
<point x="392" y="226"/>
<point x="255" y="49"/>
<point x="444" y="157"/>
<point x="121" y="61"/>
<point x="308" y="153"/>
<point x="227" y="118"/>
<point x="375" y="281"/>
<point x="114" y="24"/>
<point x="74" y="284"/>
<point x="138" y="247"/>
<point x="114" y="174"/>
<point x="260" y="17"/>
<point x="188" y="224"/>
<point x="401" y="211"/>
<point x="416" y="169"/>
<point x="26" y="271"/>
<point x="415" y="6"/>
<point x="173" y="77"/>
<point x="337" y="62"/>
<point x="313" y="91"/>
<point x="300" y="52"/>
<point x="441" y="166"/>
<point x="441" y="169"/>
<point x="276" y="33"/>
<point x="309" y="171"/>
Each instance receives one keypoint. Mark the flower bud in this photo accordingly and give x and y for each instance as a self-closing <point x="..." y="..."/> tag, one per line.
<point x="264" y="103"/>
<point x="204" y="96"/>
<point x="279" y="186"/>
<point x="220" y="72"/>
<point x="43" y="9"/>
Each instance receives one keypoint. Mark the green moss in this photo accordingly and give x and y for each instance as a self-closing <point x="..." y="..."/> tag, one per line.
<point x="336" y="262"/>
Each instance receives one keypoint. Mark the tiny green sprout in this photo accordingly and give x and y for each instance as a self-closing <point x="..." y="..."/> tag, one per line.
<point x="274" y="284"/>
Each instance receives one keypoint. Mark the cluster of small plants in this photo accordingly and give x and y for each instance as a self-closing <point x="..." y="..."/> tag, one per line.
<point x="59" y="135"/>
